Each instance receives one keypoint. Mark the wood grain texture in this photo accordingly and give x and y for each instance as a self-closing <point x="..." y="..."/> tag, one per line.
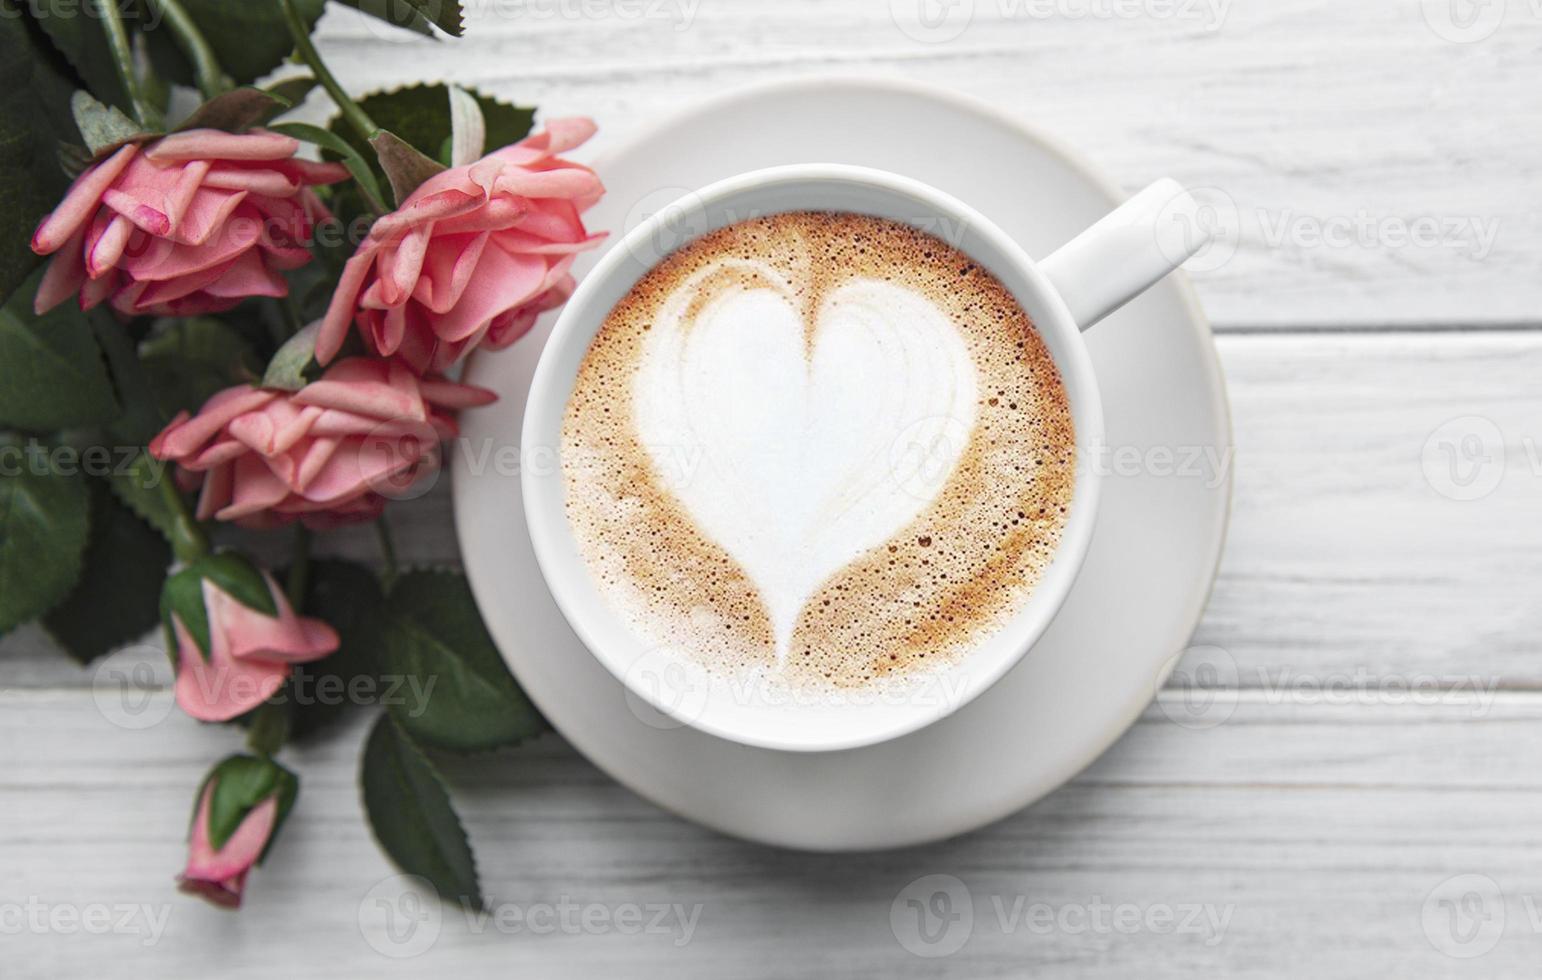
<point x="1342" y="556"/>
<point x="1307" y="839"/>
<point x="1333" y="819"/>
<point x="1329" y="131"/>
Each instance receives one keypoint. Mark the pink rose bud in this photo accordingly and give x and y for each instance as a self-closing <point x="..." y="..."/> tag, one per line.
<point x="241" y="806"/>
<point x="327" y="454"/>
<point x="236" y="637"/>
<point x="190" y="223"/>
<point x="471" y="257"/>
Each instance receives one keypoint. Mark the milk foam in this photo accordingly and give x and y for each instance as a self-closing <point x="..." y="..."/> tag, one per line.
<point x="797" y="431"/>
<point x="820" y="450"/>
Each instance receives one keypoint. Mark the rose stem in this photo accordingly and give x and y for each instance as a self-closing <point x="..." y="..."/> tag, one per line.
<point x="356" y="116"/>
<point x="206" y="67"/>
<point x="123" y="57"/>
<point x="387" y="552"/>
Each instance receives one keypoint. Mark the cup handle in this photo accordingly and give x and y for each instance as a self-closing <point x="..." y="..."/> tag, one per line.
<point x="1127" y="251"/>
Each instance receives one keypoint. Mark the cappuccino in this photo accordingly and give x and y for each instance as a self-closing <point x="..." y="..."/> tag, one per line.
<point x="818" y="447"/>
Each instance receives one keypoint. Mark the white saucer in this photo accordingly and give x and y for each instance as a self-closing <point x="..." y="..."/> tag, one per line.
<point x="1141" y="592"/>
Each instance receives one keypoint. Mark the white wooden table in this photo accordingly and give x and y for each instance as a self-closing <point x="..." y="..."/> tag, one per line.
<point x="1330" y="824"/>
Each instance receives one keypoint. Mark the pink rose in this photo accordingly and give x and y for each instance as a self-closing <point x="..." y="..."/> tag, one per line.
<point x="226" y="841"/>
<point x="191" y="223"/>
<point x="325" y="454"/>
<point x="236" y="636"/>
<point x="471" y="257"/>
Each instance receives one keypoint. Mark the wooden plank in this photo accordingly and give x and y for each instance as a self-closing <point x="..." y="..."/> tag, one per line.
<point x="1332" y="131"/>
<point x="1247" y="822"/>
<point x="1343" y="560"/>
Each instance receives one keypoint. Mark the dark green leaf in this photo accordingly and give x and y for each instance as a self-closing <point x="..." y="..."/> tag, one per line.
<point x="240" y="783"/>
<point x="356" y="164"/>
<point x="294" y="366"/>
<point x="410" y="813"/>
<point x="434" y="633"/>
<point x="237" y="110"/>
<point x="138" y="484"/>
<point x="415" y="15"/>
<point x="293" y="90"/>
<point x="34" y="120"/>
<point x="51" y="370"/>
<point x="74" y="159"/>
<point x="75" y="28"/>
<point x="44" y="523"/>
<point x="104" y="127"/>
<point x="115" y="600"/>
<point x="231" y="573"/>
<point x="420" y="116"/>
<point x="236" y="576"/>
<point x="187" y="361"/>
<point x="249" y="37"/>
<point x="347" y="596"/>
<point x="403" y="165"/>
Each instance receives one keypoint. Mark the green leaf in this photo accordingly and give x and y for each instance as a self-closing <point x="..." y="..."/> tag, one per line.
<point x="75" y="28"/>
<point x="34" y="120"/>
<point x="410" y="813"/>
<point x="420" y="116"/>
<point x="240" y="783"/>
<point x="115" y="599"/>
<point x="403" y="165"/>
<point x="44" y="523"/>
<point x="104" y="127"/>
<point x="237" y="110"/>
<point x="293" y="90"/>
<point x="434" y="633"/>
<point x="294" y="366"/>
<point x="231" y="573"/>
<point x="235" y="575"/>
<point x="356" y="164"/>
<point x="188" y="361"/>
<point x="138" y="486"/>
<point x="51" y="371"/>
<point x="415" y="15"/>
<point x="346" y="595"/>
<point x="249" y="37"/>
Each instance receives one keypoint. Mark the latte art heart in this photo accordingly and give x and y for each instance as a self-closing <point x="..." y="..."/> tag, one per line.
<point x="793" y="424"/>
<point x="819" y="449"/>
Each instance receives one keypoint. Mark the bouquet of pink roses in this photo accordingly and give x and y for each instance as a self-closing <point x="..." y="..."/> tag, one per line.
<point x="230" y="319"/>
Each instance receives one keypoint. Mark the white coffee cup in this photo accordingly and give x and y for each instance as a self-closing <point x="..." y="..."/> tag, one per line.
<point x="1101" y="269"/>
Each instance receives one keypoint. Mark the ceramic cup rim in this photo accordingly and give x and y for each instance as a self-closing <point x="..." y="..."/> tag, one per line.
<point x="566" y="574"/>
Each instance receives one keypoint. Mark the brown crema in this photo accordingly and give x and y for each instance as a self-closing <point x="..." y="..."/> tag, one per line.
<point x="921" y="600"/>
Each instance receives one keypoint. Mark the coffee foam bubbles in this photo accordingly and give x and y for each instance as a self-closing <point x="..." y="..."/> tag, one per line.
<point x="878" y="452"/>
